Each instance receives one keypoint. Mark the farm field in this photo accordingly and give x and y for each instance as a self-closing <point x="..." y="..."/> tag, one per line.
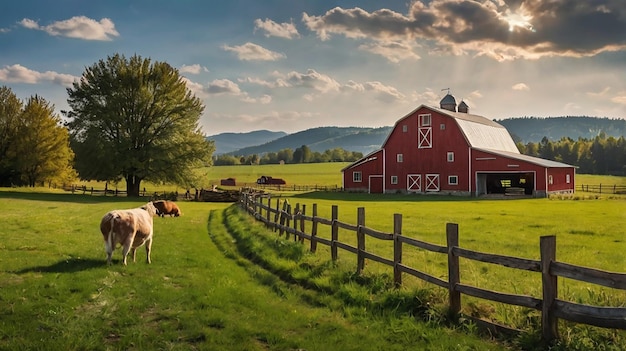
<point x="202" y="293"/>
<point x="56" y="292"/>
<point x="310" y="174"/>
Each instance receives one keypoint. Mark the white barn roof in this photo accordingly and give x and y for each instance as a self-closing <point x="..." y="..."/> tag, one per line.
<point x="481" y="132"/>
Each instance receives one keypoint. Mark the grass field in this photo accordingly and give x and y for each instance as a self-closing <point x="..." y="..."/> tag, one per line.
<point x="220" y="281"/>
<point x="56" y="292"/>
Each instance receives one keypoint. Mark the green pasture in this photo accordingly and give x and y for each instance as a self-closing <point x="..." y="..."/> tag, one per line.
<point x="309" y="174"/>
<point x="221" y="281"/>
<point x="56" y="292"/>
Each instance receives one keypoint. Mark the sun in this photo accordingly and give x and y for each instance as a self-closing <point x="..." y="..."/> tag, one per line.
<point x="518" y="20"/>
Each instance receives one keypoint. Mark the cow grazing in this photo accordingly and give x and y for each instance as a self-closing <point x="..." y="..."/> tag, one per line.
<point x="166" y="207"/>
<point x="129" y="228"/>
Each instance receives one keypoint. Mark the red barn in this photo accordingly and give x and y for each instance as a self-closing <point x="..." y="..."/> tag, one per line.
<point x="445" y="151"/>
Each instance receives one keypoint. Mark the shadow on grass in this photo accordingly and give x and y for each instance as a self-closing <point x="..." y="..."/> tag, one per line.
<point x="67" y="197"/>
<point x="71" y="265"/>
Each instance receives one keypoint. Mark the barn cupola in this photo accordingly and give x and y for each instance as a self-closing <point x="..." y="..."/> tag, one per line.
<point x="463" y="107"/>
<point x="448" y="103"/>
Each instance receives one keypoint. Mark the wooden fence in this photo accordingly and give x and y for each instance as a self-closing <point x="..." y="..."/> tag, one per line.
<point x="602" y="188"/>
<point x="289" y="187"/>
<point x="84" y="190"/>
<point x="290" y="220"/>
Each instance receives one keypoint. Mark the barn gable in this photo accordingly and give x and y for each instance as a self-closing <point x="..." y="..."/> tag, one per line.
<point x="442" y="150"/>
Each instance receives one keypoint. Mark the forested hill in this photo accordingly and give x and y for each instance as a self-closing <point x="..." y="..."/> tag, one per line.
<point x="366" y="140"/>
<point x="321" y="139"/>
<point x="228" y="142"/>
<point x="533" y="129"/>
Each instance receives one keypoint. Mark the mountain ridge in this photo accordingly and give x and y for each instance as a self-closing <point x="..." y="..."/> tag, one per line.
<point x="368" y="139"/>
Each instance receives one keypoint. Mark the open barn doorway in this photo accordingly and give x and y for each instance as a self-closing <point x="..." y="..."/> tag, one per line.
<point x="519" y="183"/>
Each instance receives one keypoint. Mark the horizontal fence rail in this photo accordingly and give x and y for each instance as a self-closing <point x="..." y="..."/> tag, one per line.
<point x="602" y="188"/>
<point x="290" y="220"/>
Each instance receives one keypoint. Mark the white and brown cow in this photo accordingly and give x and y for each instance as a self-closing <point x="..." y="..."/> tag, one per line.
<point x="129" y="228"/>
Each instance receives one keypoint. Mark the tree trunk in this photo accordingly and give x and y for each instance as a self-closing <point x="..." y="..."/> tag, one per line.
<point x="132" y="186"/>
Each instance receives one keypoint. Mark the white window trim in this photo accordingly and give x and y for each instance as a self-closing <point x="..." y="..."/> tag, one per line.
<point x="394" y="179"/>
<point x="450" y="156"/>
<point x="360" y="176"/>
<point x="399" y="158"/>
<point x="456" y="180"/>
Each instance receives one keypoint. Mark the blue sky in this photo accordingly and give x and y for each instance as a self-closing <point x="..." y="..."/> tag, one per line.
<point x="290" y="65"/>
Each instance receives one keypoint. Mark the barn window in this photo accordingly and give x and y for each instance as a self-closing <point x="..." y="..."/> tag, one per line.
<point x="399" y="158"/>
<point x="453" y="180"/>
<point x="394" y="179"/>
<point x="424" y="120"/>
<point x="425" y="138"/>
<point x="550" y="180"/>
<point x="405" y="128"/>
<point x="450" y="156"/>
<point x="442" y="126"/>
<point x="357" y="177"/>
<point x="567" y="179"/>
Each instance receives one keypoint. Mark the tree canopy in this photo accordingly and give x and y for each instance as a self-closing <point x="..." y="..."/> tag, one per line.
<point x="34" y="145"/>
<point x="136" y="119"/>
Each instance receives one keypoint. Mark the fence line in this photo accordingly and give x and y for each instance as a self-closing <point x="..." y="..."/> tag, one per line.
<point x="602" y="188"/>
<point x="84" y="190"/>
<point x="549" y="305"/>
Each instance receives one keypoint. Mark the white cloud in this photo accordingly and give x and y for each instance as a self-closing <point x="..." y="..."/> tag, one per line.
<point x="600" y="94"/>
<point x="253" y="52"/>
<point x="263" y="100"/>
<point x="222" y="86"/>
<point x="314" y="80"/>
<point x="620" y="98"/>
<point x="273" y="29"/>
<point x="196" y="88"/>
<point x="394" y="51"/>
<point x="20" y="74"/>
<point x="497" y="29"/>
<point x="193" y="69"/>
<point x="80" y="27"/>
<point x="520" y="87"/>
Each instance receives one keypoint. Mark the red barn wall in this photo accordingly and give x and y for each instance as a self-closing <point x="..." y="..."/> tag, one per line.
<point x="372" y="167"/>
<point x="445" y="137"/>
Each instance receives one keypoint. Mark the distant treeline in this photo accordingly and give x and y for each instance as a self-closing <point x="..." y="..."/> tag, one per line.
<point x="302" y="154"/>
<point x="600" y="155"/>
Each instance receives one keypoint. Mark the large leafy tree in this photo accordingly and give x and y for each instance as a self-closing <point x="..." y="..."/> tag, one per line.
<point x="10" y="110"/>
<point x="136" y="119"/>
<point x="34" y="145"/>
<point x="41" y="145"/>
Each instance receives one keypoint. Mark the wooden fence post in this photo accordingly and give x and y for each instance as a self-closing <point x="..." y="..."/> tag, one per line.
<point x="549" y="323"/>
<point x="334" y="234"/>
<point x="283" y="217"/>
<point x="314" y="229"/>
<point x="269" y="207"/>
<point x="397" y="249"/>
<point x="296" y="216"/>
<point x="288" y="217"/>
<point x="257" y="206"/>
<point x="454" y="275"/>
<point x="360" y="237"/>
<point x="303" y="213"/>
<point x="277" y="214"/>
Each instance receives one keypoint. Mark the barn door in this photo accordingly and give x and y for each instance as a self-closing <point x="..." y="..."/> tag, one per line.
<point x="414" y="183"/>
<point x="432" y="182"/>
<point x="376" y="184"/>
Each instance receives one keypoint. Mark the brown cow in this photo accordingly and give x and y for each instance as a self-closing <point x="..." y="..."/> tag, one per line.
<point x="166" y="207"/>
<point x="129" y="228"/>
